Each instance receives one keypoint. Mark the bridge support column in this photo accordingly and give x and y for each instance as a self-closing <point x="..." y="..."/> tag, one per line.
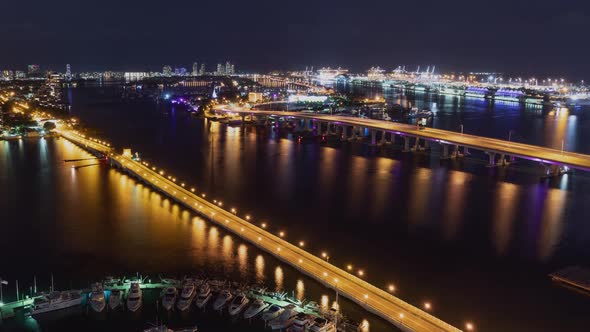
<point x="503" y="161"/>
<point x="383" y="138"/>
<point x="373" y="137"/>
<point x="353" y="134"/>
<point x="343" y="134"/>
<point x="318" y="128"/>
<point x="492" y="160"/>
<point x="426" y="145"/>
<point x="309" y="126"/>
<point x="466" y="151"/>
<point x="445" y="152"/>
<point x="406" y="144"/>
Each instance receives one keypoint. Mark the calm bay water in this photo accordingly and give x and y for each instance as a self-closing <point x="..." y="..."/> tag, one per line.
<point x="475" y="242"/>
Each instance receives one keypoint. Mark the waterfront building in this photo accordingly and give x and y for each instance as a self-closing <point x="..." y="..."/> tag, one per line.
<point x="7" y="75"/>
<point x="180" y="71"/>
<point x="19" y="74"/>
<point x="220" y="69"/>
<point x="202" y="70"/>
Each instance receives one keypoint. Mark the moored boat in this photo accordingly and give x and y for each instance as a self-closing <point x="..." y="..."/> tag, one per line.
<point x="272" y="312"/>
<point x="115" y="299"/>
<point x="255" y="308"/>
<point x="97" y="298"/>
<point x="169" y="298"/>
<point x="56" y="301"/>
<point x="238" y="304"/>
<point x="134" y="297"/>
<point x="222" y="299"/>
<point x="285" y="319"/>
<point x="204" y="295"/>
<point x="186" y="296"/>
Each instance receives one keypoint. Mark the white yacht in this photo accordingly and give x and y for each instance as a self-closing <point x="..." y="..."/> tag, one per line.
<point x="223" y="297"/>
<point x="238" y="304"/>
<point x="322" y="325"/>
<point x="115" y="299"/>
<point x="285" y="319"/>
<point x="56" y="301"/>
<point x="186" y="296"/>
<point x="97" y="299"/>
<point x="169" y="298"/>
<point x="301" y="322"/>
<point x="134" y="297"/>
<point x="255" y="308"/>
<point x="204" y="295"/>
<point x="272" y="312"/>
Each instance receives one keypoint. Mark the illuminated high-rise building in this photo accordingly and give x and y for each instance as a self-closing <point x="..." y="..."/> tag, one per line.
<point x="167" y="71"/>
<point x="180" y="71"/>
<point x="195" y="69"/>
<point x="229" y="68"/>
<point x="220" y="69"/>
<point x="68" y="72"/>
<point x="202" y="70"/>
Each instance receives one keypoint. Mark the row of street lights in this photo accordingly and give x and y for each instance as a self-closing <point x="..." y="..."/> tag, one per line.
<point x="427" y="305"/>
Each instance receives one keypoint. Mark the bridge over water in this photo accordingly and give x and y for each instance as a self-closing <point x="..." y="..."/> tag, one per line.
<point x="453" y="144"/>
<point x="401" y="314"/>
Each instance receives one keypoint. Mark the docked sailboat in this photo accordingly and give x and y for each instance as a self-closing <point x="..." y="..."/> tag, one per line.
<point x="56" y="301"/>
<point x="204" y="295"/>
<point x="134" y="297"/>
<point x="285" y="319"/>
<point x="222" y="299"/>
<point x="97" y="298"/>
<point x="255" y="308"/>
<point x="238" y="304"/>
<point x="115" y="299"/>
<point x="186" y="296"/>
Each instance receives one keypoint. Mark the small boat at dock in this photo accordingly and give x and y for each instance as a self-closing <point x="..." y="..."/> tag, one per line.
<point x="186" y="296"/>
<point x="285" y="319"/>
<point x="134" y="297"/>
<point x="97" y="298"/>
<point x="238" y="304"/>
<point x="222" y="299"/>
<point x="301" y="322"/>
<point x="255" y="308"/>
<point x="115" y="299"/>
<point x="272" y="312"/>
<point x="56" y="301"/>
<point x="169" y="298"/>
<point x="204" y="295"/>
<point x="322" y="325"/>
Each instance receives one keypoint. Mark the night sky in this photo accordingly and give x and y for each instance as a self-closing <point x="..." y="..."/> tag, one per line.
<point x="521" y="37"/>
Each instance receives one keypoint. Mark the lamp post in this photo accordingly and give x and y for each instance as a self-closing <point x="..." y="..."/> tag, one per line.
<point x="2" y="283"/>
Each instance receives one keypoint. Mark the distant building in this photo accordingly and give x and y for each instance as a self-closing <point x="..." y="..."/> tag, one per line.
<point x="135" y="76"/>
<point x="220" y="69"/>
<point x="180" y="71"/>
<point x="202" y="70"/>
<point x="167" y="71"/>
<point x="19" y="74"/>
<point x="376" y="74"/>
<point x="229" y="68"/>
<point x="68" y="72"/>
<point x="7" y="75"/>
<point x="254" y="97"/>
<point x="33" y="69"/>
<point x="195" y="69"/>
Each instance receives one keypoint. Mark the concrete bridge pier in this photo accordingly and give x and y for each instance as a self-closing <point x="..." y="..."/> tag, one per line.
<point x="353" y="135"/>
<point x="343" y="133"/>
<point x="416" y="146"/>
<point x="492" y="159"/>
<point x="318" y="128"/>
<point x="466" y="151"/>
<point x="406" y="144"/>
<point x="373" y="137"/>
<point x="309" y="125"/>
<point x="383" y="138"/>
<point x="445" y="152"/>
<point x="426" y="145"/>
<point x="456" y="152"/>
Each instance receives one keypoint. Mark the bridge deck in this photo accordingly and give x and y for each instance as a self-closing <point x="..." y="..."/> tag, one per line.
<point x="521" y="150"/>
<point x="373" y="299"/>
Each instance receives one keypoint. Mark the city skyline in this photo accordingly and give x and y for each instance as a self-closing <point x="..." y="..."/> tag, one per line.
<point x="512" y="38"/>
